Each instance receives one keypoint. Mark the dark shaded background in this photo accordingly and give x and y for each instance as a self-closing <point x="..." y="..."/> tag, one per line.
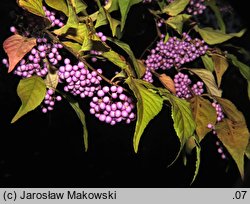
<point x="46" y="150"/>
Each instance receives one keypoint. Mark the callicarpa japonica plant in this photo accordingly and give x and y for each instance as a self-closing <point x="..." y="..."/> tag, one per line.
<point x="73" y="50"/>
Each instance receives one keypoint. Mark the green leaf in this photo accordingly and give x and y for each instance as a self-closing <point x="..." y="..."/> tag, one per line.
<point x="104" y="18"/>
<point x="101" y="18"/>
<point x="208" y="62"/>
<point x="74" y="46"/>
<point x="124" y="9"/>
<point x="216" y="10"/>
<point x="220" y="66"/>
<point x="234" y="136"/>
<point x="176" y="7"/>
<point x="114" y="6"/>
<point x="59" y="5"/>
<point x="72" y="22"/>
<point x="113" y="23"/>
<point x="162" y="4"/>
<point x="78" y="34"/>
<point x="81" y="116"/>
<point x="212" y="37"/>
<point x="138" y="65"/>
<point x="244" y="70"/>
<point x="208" y="78"/>
<point x="31" y="91"/>
<point x="148" y="105"/>
<point x="197" y="163"/>
<point x="33" y="6"/>
<point x="203" y="113"/>
<point x="79" y="6"/>
<point x="52" y="78"/>
<point x="184" y="123"/>
<point x="118" y="60"/>
<point x="176" y="22"/>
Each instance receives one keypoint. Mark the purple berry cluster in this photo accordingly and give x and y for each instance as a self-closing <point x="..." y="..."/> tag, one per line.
<point x="182" y="86"/>
<point x="112" y="106"/>
<point x="220" y="116"/>
<point x="79" y="80"/>
<point x="51" y="15"/>
<point x="196" y="7"/>
<point x="198" y="88"/>
<point x="220" y="149"/>
<point x="35" y="61"/>
<point x="182" y="83"/>
<point x="174" y="53"/>
<point x="49" y="101"/>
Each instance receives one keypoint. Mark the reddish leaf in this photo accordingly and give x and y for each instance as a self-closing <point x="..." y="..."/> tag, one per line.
<point x="167" y="82"/>
<point x="16" y="47"/>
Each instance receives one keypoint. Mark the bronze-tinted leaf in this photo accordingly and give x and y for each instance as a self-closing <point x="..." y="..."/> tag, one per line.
<point x="234" y="136"/>
<point x="220" y="66"/>
<point x="168" y="82"/>
<point x="16" y="47"/>
<point x="203" y="113"/>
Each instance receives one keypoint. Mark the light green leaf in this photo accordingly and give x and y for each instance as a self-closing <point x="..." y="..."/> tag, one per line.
<point x="162" y="4"/>
<point x="124" y="9"/>
<point x="72" y="21"/>
<point x="33" y="6"/>
<point x="118" y="60"/>
<point x="113" y="23"/>
<point x="197" y="163"/>
<point x="101" y="18"/>
<point x="176" y="7"/>
<point x="234" y="136"/>
<point x="208" y="62"/>
<point x="212" y="37"/>
<point x="166" y="37"/>
<point x="216" y="10"/>
<point x="138" y="65"/>
<point x="148" y="104"/>
<point x="59" y="5"/>
<point x="78" y="34"/>
<point x="79" y="6"/>
<point x="52" y="78"/>
<point x="220" y="66"/>
<point x="74" y="46"/>
<point x="114" y="6"/>
<point x="208" y="78"/>
<point x="203" y="113"/>
<point x="176" y="22"/>
<point x="81" y="116"/>
<point x="184" y="123"/>
<point x="31" y="91"/>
